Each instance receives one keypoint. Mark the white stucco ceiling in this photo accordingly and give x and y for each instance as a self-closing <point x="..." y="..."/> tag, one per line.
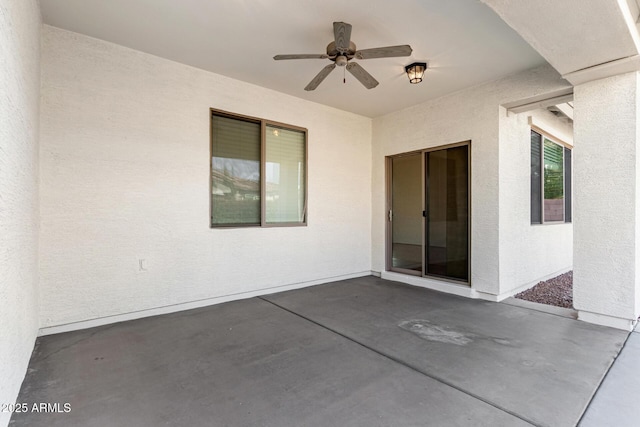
<point x="463" y="41"/>
<point x="576" y="35"/>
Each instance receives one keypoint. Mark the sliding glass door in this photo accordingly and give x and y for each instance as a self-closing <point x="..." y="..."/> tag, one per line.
<point x="406" y="214"/>
<point x="428" y="223"/>
<point x="447" y="213"/>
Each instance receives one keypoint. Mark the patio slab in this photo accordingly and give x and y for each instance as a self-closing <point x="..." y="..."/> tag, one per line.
<point x="616" y="402"/>
<point x="360" y="352"/>
<point x="245" y="363"/>
<point x="540" y="367"/>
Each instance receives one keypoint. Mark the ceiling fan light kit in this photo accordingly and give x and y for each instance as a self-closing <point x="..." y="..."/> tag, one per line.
<point x="415" y="71"/>
<point x="342" y="50"/>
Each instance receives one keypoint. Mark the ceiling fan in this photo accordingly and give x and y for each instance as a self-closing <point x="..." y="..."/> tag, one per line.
<point x="342" y="50"/>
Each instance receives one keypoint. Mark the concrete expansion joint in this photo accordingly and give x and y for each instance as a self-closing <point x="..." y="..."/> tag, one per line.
<point x="401" y="362"/>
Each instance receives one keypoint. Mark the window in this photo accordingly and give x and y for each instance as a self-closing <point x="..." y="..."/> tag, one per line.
<point x="550" y="180"/>
<point x="258" y="172"/>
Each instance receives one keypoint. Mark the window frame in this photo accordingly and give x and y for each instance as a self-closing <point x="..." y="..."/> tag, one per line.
<point x="263" y="182"/>
<point x="567" y="198"/>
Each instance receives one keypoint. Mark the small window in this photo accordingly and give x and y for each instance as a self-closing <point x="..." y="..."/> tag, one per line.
<point x="550" y="180"/>
<point x="258" y="172"/>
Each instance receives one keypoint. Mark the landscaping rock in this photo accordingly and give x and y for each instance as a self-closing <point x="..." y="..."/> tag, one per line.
<point x="557" y="291"/>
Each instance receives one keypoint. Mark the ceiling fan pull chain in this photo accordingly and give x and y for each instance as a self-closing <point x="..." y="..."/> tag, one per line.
<point x="344" y="75"/>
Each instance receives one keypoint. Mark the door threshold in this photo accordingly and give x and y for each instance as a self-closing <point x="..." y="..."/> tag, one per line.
<point x="445" y="286"/>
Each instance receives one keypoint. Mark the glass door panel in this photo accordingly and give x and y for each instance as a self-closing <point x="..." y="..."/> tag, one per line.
<point x="406" y="213"/>
<point x="447" y="213"/>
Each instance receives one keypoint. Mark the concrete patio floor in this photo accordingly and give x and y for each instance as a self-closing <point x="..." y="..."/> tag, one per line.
<point x="359" y="352"/>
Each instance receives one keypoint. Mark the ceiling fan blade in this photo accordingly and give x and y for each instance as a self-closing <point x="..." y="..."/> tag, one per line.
<point x="361" y="74"/>
<point x="320" y="77"/>
<point x="301" y="56"/>
<point x="384" y="52"/>
<point x="342" y="35"/>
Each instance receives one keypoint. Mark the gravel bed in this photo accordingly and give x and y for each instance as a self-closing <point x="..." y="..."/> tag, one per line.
<point x="557" y="291"/>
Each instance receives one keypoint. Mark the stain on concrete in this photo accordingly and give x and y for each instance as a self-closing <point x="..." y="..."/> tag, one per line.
<point x="439" y="333"/>
<point x="501" y="341"/>
<point x="428" y="331"/>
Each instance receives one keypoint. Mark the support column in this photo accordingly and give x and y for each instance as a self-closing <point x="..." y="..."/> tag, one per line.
<point x="606" y="201"/>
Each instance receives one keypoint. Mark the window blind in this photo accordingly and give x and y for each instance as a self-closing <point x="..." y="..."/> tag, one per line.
<point x="235" y="171"/>
<point x="536" y="181"/>
<point x="285" y="175"/>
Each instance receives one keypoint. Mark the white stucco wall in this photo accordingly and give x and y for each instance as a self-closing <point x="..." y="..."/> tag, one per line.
<point x="471" y="114"/>
<point x="607" y="201"/>
<point x="19" y="102"/>
<point x="528" y="253"/>
<point x="125" y="172"/>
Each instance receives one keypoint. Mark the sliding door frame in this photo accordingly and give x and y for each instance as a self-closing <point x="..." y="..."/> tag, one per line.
<point x="388" y="213"/>
<point x="389" y="220"/>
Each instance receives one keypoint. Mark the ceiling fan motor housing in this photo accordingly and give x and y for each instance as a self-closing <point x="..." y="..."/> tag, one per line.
<point x="333" y="51"/>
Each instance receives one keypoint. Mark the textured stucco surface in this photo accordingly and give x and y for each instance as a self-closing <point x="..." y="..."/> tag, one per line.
<point x="125" y="170"/>
<point x="606" y="197"/>
<point x="551" y="28"/>
<point x="528" y="253"/>
<point x="19" y="100"/>
<point x="472" y="115"/>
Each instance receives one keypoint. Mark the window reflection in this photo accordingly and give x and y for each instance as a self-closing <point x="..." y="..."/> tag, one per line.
<point x="235" y="172"/>
<point x="285" y="175"/>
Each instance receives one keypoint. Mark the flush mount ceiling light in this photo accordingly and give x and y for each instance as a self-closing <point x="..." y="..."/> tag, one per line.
<point x="415" y="71"/>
